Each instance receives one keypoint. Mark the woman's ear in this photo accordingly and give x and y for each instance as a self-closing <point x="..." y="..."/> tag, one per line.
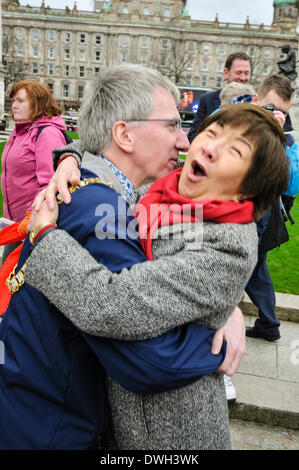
<point x="122" y="136"/>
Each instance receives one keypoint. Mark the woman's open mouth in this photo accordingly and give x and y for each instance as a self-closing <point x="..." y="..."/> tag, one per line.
<point x="197" y="171"/>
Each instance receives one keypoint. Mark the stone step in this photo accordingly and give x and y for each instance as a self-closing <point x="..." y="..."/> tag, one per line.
<point x="287" y="307"/>
<point x="267" y="381"/>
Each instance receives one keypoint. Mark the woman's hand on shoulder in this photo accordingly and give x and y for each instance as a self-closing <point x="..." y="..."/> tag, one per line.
<point x="67" y="172"/>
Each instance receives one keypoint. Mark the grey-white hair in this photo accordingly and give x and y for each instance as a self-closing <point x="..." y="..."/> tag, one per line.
<point x="121" y="93"/>
<point x="233" y="90"/>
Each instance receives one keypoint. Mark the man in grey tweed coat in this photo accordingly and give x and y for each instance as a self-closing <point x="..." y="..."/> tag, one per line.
<point x="210" y="280"/>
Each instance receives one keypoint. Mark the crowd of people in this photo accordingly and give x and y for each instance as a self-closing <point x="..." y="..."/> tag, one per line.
<point x="123" y="327"/>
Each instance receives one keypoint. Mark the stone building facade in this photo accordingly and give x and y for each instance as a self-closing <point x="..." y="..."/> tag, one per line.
<point x="67" y="48"/>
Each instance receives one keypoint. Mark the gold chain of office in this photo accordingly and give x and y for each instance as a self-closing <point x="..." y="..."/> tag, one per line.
<point x="16" y="280"/>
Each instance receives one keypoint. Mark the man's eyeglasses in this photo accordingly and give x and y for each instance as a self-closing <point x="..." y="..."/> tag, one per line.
<point x="177" y="122"/>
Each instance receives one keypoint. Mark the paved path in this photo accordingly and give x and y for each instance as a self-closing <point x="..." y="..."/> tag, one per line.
<point x="247" y="435"/>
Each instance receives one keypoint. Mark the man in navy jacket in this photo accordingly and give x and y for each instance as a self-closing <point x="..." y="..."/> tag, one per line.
<point x="236" y="69"/>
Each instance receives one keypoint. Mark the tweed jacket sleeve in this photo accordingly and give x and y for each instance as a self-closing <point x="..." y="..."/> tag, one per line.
<point x="187" y="282"/>
<point x="75" y="148"/>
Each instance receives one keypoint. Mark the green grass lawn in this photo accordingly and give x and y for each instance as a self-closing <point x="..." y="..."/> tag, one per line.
<point x="282" y="262"/>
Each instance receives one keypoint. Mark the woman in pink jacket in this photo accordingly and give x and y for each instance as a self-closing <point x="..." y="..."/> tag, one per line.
<point x="27" y="157"/>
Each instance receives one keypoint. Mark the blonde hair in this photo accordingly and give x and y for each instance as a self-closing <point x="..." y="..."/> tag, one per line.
<point x="233" y="90"/>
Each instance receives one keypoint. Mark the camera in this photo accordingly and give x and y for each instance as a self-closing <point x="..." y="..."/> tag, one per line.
<point x="270" y="107"/>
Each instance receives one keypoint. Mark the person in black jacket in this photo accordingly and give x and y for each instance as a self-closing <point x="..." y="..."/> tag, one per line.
<point x="236" y="69"/>
<point x="274" y="94"/>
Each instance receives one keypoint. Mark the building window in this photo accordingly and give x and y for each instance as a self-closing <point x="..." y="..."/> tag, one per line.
<point x="35" y="35"/>
<point x="167" y="13"/>
<point x="189" y="65"/>
<point x="81" y="71"/>
<point x="205" y="65"/>
<point x="51" y="53"/>
<point x="267" y="52"/>
<point x="165" y="43"/>
<point x="67" y="37"/>
<point x="35" y="67"/>
<point x="144" y="42"/>
<point x="163" y="60"/>
<point x="124" y="41"/>
<point x="97" y="70"/>
<point x="98" y="56"/>
<point x="252" y="51"/>
<point x="19" y="33"/>
<point x="80" y="92"/>
<point x="35" y="51"/>
<point x="66" y="54"/>
<point x="19" y="50"/>
<point x="125" y="10"/>
<point x="218" y="82"/>
<point x="189" y="80"/>
<point x="82" y="38"/>
<point x="206" y="48"/>
<point x="123" y="58"/>
<point x="220" y="66"/>
<point x="65" y="91"/>
<point x="4" y="32"/>
<point x="143" y="59"/>
<point x="67" y="70"/>
<point x="203" y="80"/>
<point x="98" y="39"/>
<point x="266" y="69"/>
<point x="190" y="46"/>
<point x="221" y="49"/>
<point x="51" y="35"/>
<point x="50" y="85"/>
<point x="82" y="55"/>
<point x="50" y="69"/>
<point x="146" y="11"/>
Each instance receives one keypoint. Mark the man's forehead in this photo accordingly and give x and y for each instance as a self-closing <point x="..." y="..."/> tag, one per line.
<point x="164" y="104"/>
<point x="240" y="64"/>
<point x="273" y="98"/>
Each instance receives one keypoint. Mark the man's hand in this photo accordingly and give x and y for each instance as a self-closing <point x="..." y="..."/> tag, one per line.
<point x="280" y="117"/>
<point x="234" y="333"/>
<point x="67" y="172"/>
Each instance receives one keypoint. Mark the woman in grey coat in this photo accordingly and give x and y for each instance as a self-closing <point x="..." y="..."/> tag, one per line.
<point x="236" y="167"/>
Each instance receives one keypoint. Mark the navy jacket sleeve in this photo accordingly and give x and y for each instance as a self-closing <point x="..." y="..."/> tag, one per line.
<point x="98" y="218"/>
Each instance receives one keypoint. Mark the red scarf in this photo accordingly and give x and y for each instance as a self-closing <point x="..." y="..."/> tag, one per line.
<point x="162" y="205"/>
<point x="9" y="234"/>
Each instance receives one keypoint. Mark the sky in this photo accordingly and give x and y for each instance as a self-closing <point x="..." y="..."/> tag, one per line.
<point x="235" y="11"/>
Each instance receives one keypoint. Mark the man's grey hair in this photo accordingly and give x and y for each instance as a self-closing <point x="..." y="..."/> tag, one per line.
<point x="233" y="90"/>
<point x="120" y="93"/>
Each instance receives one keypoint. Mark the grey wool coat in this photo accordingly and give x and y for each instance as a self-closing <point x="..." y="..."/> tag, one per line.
<point x="188" y="282"/>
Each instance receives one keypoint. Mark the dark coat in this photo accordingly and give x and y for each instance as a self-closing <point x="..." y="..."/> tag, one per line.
<point x="207" y="104"/>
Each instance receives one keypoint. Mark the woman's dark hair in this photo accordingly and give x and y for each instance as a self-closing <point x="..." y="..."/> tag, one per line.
<point x="268" y="175"/>
<point x="40" y="97"/>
